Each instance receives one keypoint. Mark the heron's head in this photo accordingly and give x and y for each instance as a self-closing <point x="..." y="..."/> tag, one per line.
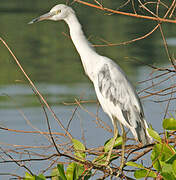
<point x="58" y="12"/>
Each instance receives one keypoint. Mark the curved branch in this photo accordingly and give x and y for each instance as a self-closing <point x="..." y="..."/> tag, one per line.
<point x="127" y="14"/>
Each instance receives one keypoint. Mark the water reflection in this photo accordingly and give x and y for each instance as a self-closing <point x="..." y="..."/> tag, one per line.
<point x="12" y="96"/>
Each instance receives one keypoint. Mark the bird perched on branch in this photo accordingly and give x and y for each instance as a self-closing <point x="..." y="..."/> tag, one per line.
<point x="114" y="91"/>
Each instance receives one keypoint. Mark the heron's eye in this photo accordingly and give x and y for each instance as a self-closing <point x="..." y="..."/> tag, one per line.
<point x="57" y="12"/>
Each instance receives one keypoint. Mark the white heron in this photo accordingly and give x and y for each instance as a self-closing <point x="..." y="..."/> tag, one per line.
<point x="114" y="91"/>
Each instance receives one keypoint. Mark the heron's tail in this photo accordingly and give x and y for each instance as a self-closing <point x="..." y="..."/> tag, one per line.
<point x="141" y="133"/>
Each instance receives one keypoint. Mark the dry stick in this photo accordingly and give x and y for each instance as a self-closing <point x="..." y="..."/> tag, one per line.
<point x="155" y="93"/>
<point x="106" y="127"/>
<point x="98" y="121"/>
<point x="157" y="68"/>
<point x="172" y="5"/>
<point x="74" y="111"/>
<point x="141" y="154"/>
<point x="165" y="100"/>
<point x="172" y="11"/>
<point x="23" y="115"/>
<point x="163" y="94"/>
<point x="34" y="87"/>
<point x="171" y="60"/>
<point x="133" y="6"/>
<point x="163" y="4"/>
<point x="31" y="159"/>
<point x="165" y="43"/>
<point x="27" y="152"/>
<point x="50" y="166"/>
<point x="158" y="76"/>
<point x="13" y="160"/>
<point x="123" y="5"/>
<point x="80" y="102"/>
<point x="144" y="7"/>
<point x="166" y="48"/>
<point x="33" y="132"/>
<point x="167" y="106"/>
<point x="18" y="146"/>
<point x="140" y="148"/>
<point x="88" y="163"/>
<point x="157" y="7"/>
<point x="48" y="124"/>
<point x="10" y="174"/>
<point x="98" y="3"/>
<point x="122" y="43"/>
<point x="127" y="14"/>
<point x="156" y="84"/>
<point x="133" y="40"/>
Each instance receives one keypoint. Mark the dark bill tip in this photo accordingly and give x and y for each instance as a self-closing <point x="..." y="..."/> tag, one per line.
<point x="41" y="18"/>
<point x="34" y="21"/>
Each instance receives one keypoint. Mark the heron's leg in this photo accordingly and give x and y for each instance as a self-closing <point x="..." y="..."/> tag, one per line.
<point x="113" y="142"/>
<point x="123" y="149"/>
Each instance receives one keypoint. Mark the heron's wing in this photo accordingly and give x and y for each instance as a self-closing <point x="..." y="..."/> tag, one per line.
<point x="115" y="88"/>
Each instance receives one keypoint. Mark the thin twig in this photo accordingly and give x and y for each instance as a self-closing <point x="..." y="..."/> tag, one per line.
<point x="34" y="87"/>
<point x="126" y="14"/>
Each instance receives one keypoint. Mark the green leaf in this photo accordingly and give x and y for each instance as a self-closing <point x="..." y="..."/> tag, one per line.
<point x="29" y="176"/>
<point x="168" y="176"/>
<point x="71" y="171"/>
<point x="171" y="159"/>
<point x="169" y="124"/>
<point x="75" y="170"/>
<point x="40" y="177"/>
<point x="174" y="168"/>
<point x="61" y="171"/>
<point x="79" y="170"/>
<point x="155" y="155"/>
<point x="55" y="174"/>
<point x="79" y="149"/>
<point x="162" y="152"/>
<point x="162" y="157"/>
<point x="169" y="170"/>
<point x="167" y="134"/>
<point x="130" y="163"/>
<point x="141" y="173"/>
<point x="108" y="143"/>
<point x="154" y="134"/>
<point x="86" y="175"/>
<point x="166" y="167"/>
<point x="101" y="160"/>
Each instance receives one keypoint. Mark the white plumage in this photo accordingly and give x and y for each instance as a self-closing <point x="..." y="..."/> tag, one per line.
<point x="115" y="93"/>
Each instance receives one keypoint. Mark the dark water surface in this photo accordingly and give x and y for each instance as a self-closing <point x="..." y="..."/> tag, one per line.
<point x="50" y="59"/>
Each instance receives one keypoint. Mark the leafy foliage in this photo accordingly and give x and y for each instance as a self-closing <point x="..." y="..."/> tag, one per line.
<point x="169" y="124"/>
<point x="163" y="156"/>
<point x="108" y="143"/>
<point x="73" y="171"/>
<point x="154" y="135"/>
<point x="31" y="177"/>
<point x="163" y="159"/>
<point x="79" y="149"/>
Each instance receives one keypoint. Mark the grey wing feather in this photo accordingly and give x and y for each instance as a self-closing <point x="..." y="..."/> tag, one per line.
<point x="115" y="88"/>
<point x="119" y="92"/>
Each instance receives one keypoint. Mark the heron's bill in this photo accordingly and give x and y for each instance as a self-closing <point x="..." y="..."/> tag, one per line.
<point x="41" y="18"/>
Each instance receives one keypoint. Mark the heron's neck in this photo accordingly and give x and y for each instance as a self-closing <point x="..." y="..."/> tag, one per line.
<point x="82" y="45"/>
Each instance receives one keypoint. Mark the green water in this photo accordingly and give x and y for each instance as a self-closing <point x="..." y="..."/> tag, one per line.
<point x="48" y="55"/>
